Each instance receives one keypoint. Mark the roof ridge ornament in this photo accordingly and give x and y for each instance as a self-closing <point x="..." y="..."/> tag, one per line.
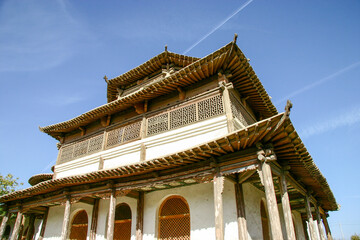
<point x="106" y="79"/>
<point x="235" y="38"/>
<point x="166" y="48"/>
<point x="288" y="107"/>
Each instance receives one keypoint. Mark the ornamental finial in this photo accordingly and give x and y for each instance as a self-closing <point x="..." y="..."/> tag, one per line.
<point x="235" y="38"/>
<point x="166" y="48"/>
<point x="106" y="79"/>
<point x="288" y="107"/>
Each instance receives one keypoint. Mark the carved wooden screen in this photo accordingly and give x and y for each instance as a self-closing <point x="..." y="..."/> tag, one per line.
<point x="174" y="219"/>
<point x="264" y="222"/>
<point x="79" y="226"/>
<point x="122" y="228"/>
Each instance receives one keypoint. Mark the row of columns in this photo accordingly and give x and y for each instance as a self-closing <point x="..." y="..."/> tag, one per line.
<point x="266" y="156"/>
<point x="18" y="228"/>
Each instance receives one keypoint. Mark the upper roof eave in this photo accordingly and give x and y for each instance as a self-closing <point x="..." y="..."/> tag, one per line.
<point x="217" y="58"/>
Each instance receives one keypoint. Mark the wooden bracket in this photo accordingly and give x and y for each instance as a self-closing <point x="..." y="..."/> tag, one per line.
<point x="141" y="107"/>
<point x="182" y="93"/>
<point x="83" y="130"/>
<point x="105" y="121"/>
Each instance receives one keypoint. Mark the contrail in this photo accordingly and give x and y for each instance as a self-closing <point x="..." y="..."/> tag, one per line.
<point x="340" y="120"/>
<point x="314" y="84"/>
<point x="218" y="26"/>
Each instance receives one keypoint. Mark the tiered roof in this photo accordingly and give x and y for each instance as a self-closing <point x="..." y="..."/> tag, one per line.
<point x="277" y="129"/>
<point x="228" y="59"/>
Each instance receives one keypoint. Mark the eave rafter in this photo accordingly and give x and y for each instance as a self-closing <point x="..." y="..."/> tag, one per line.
<point x="277" y="130"/>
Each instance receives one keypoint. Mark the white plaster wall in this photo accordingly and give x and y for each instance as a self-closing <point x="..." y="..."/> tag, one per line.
<point x="185" y="137"/>
<point x="103" y="215"/>
<point x="230" y="215"/>
<point x="201" y="204"/>
<point x="252" y="198"/>
<point x="56" y="216"/>
<point x="123" y="155"/>
<point x="37" y="224"/>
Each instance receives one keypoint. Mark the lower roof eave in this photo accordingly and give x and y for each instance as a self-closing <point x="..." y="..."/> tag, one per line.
<point x="277" y="130"/>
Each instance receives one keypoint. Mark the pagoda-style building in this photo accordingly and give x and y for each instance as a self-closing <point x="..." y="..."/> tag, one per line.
<point x="184" y="148"/>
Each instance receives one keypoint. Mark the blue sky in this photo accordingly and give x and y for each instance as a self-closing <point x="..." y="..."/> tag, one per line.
<point x="54" y="54"/>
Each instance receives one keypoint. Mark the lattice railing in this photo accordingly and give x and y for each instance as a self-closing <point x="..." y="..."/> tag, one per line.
<point x="123" y="134"/>
<point x="81" y="148"/>
<point x="171" y="119"/>
<point x="240" y="112"/>
<point x="185" y="115"/>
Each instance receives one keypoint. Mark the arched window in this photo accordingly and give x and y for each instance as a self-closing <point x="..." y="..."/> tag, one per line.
<point x="174" y="219"/>
<point x="122" y="228"/>
<point x="264" y="222"/>
<point x="79" y="226"/>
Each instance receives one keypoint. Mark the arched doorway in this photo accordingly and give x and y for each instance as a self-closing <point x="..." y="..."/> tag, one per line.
<point x="122" y="228"/>
<point x="79" y="226"/>
<point x="264" y="222"/>
<point x="174" y="219"/>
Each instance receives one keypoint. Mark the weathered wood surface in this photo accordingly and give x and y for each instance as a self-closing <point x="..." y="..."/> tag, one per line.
<point x="240" y="210"/>
<point x="16" y="229"/>
<point x="66" y="220"/>
<point x="94" y="219"/>
<point x="266" y="155"/>
<point x="111" y="219"/>
<point x="313" y="234"/>
<point x="327" y="228"/>
<point x="43" y="225"/>
<point x="218" y="202"/>
<point x="3" y="223"/>
<point x="140" y="216"/>
<point x="31" y="228"/>
<point x="285" y="202"/>
<point x="319" y="223"/>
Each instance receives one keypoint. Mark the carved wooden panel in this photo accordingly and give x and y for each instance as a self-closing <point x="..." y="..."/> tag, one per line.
<point x="81" y="148"/>
<point x="185" y="115"/>
<point x="122" y="228"/>
<point x="174" y="219"/>
<point x="240" y="112"/>
<point x="210" y="107"/>
<point x="123" y="134"/>
<point x="79" y="226"/>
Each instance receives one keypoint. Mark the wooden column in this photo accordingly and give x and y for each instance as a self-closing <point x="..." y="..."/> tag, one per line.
<point x="327" y="228"/>
<point x="319" y="224"/>
<point x="218" y="190"/>
<point x="111" y="219"/>
<point x="312" y="231"/>
<point x="305" y="229"/>
<point x="43" y="225"/>
<point x="31" y="228"/>
<point x="240" y="210"/>
<point x="3" y="223"/>
<point x="66" y="220"/>
<point x="266" y="155"/>
<point x="224" y="85"/>
<point x="140" y="216"/>
<point x="289" y="225"/>
<point x="15" y="232"/>
<point x="94" y="219"/>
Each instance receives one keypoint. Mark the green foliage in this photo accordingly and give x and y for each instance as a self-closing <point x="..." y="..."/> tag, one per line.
<point x="355" y="237"/>
<point x="8" y="184"/>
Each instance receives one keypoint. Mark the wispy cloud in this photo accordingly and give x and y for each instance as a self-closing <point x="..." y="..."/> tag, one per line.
<point x="36" y="35"/>
<point x="346" y="119"/>
<point x="321" y="81"/>
<point x="60" y="101"/>
<point x="218" y="26"/>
